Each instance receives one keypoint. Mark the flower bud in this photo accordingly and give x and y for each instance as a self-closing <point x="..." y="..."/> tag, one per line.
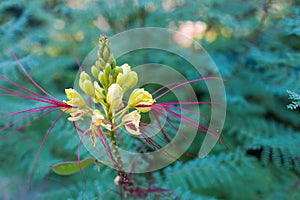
<point x="127" y="79"/>
<point x="130" y="80"/>
<point x="106" y="53"/>
<point x="102" y="79"/>
<point x="98" y="92"/>
<point x="100" y="63"/>
<point x="117" y="71"/>
<point x="120" y="79"/>
<point x="141" y="100"/>
<point x="107" y="69"/>
<point x="126" y="68"/>
<point x="85" y="83"/>
<point x="89" y="88"/>
<point x="95" y="71"/>
<point x="112" y="61"/>
<point x="114" y="97"/>
<point x="84" y="76"/>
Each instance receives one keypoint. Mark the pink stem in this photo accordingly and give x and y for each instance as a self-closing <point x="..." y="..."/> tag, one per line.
<point x="188" y="103"/>
<point x="183" y="109"/>
<point x="187" y="82"/>
<point x="31" y="110"/>
<point x="156" y="91"/>
<point x="78" y="159"/>
<point x="105" y="144"/>
<point x="198" y="126"/>
<point x="41" y="146"/>
<point x="24" y="89"/>
<point x="24" y="96"/>
<point x="161" y="128"/>
<point x="30" y="78"/>
<point x="20" y="127"/>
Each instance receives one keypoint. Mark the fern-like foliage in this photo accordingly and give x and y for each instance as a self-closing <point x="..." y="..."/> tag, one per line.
<point x="281" y="150"/>
<point x="197" y="175"/>
<point x="296" y="100"/>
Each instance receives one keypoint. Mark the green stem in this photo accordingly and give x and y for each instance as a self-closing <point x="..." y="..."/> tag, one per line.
<point x="120" y="166"/>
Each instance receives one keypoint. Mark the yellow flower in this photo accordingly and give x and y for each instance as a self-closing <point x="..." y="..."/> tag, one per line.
<point x="97" y="117"/>
<point x="75" y="99"/>
<point x="131" y="122"/>
<point x="141" y="100"/>
<point x="114" y="97"/>
<point x="97" y="120"/>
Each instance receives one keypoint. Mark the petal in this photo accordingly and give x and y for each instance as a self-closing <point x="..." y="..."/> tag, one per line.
<point x="114" y="97"/>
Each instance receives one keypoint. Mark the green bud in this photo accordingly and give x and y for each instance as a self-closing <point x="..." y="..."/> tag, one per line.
<point x="98" y="65"/>
<point x="88" y="88"/>
<point x="110" y="79"/>
<point x="113" y="63"/>
<point x="106" y="53"/>
<point x="120" y="79"/>
<point x="95" y="71"/>
<point x="107" y="69"/>
<point x="85" y="76"/>
<point x="130" y="80"/>
<point x="85" y="83"/>
<point x="102" y="63"/>
<point x="117" y="71"/>
<point x="127" y="81"/>
<point x="102" y="78"/>
<point x="111" y="60"/>
<point x="98" y="92"/>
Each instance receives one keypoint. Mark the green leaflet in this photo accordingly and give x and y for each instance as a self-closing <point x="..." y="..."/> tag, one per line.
<point x="71" y="167"/>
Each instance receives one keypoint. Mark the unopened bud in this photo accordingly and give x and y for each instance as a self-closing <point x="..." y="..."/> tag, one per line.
<point x="130" y="80"/>
<point x="98" y="92"/>
<point x="107" y="69"/>
<point x="102" y="79"/>
<point x="101" y="63"/>
<point x="95" y="71"/>
<point x="106" y="53"/>
<point x="88" y="88"/>
<point x="127" y="79"/>
<point x="84" y="76"/>
<point x="117" y="71"/>
<point x="85" y="83"/>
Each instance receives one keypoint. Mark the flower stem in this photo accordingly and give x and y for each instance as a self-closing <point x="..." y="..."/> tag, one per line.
<point x="116" y="152"/>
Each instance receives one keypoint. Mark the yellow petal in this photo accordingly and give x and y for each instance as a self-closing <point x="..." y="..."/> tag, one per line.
<point x="114" y="97"/>
<point x="141" y="100"/>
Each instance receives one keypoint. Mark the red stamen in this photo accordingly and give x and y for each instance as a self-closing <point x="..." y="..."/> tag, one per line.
<point x="187" y="82"/>
<point x="24" y="125"/>
<point x="41" y="146"/>
<point x="30" y="78"/>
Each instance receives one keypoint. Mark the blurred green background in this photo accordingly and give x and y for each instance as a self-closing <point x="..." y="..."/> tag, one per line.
<point x="256" y="46"/>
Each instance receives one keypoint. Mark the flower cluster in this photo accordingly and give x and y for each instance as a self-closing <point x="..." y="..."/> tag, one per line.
<point x="106" y="91"/>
